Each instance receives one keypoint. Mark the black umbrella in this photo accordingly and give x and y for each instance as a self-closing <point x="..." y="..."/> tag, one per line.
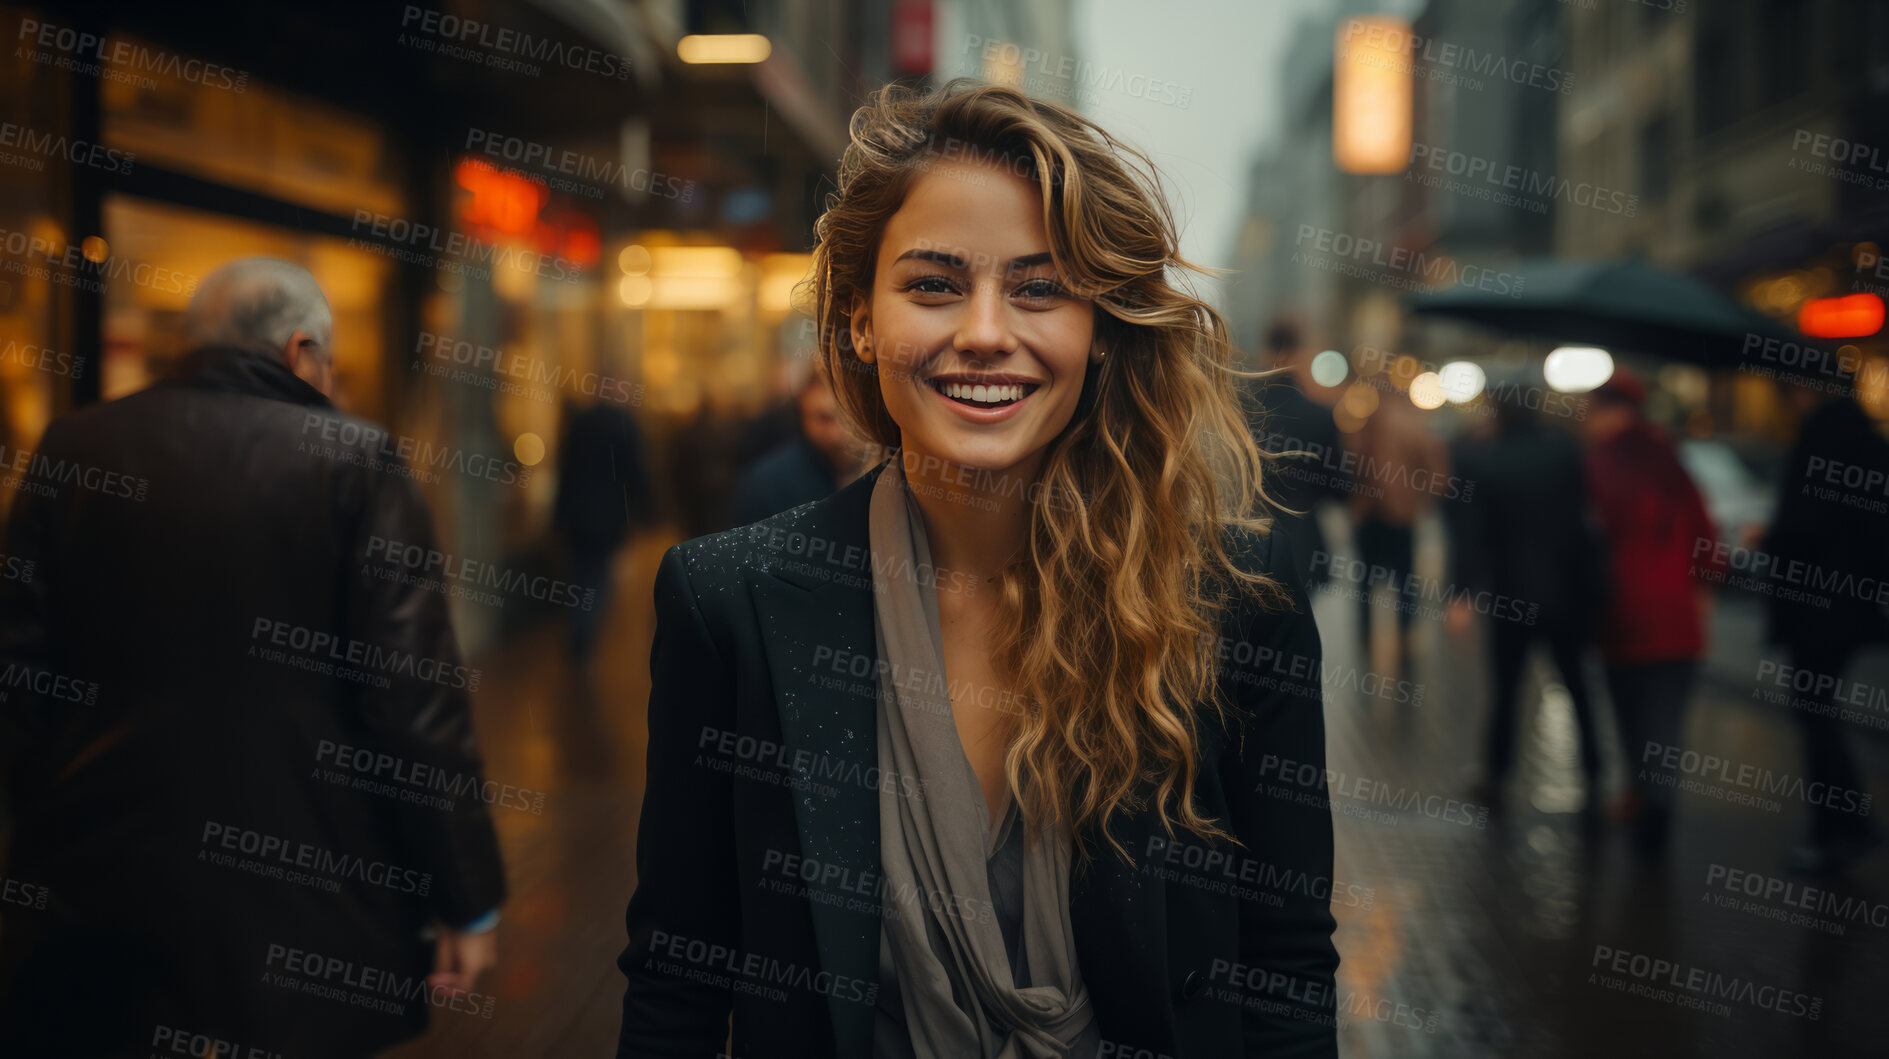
<point x="1619" y="304"/>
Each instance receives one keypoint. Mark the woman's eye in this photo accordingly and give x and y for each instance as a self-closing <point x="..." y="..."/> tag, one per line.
<point x="1041" y="290"/>
<point x="931" y="285"/>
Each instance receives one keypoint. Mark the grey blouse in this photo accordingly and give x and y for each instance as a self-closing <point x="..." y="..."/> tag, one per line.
<point x="1004" y="871"/>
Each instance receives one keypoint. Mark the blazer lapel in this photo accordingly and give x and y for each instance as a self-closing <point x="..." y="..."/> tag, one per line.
<point x="815" y="607"/>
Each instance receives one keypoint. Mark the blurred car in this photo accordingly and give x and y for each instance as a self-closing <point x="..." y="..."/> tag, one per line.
<point x="1739" y="502"/>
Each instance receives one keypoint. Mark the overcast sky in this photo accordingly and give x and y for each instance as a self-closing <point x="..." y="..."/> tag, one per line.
<point x="1226" y="51"/>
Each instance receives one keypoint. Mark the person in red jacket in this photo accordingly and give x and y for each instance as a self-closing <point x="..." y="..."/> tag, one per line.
<point x="1653" y="630"/>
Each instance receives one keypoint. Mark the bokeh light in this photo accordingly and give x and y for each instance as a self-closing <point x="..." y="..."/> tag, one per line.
<point x="1577" y="369"/>
<point x="635" y="260"/>
<point x="1426" y="391"/>
<point x="1329" y="368"/>
<point x="1461" y="380"/>
<point x="1360" y="399"/>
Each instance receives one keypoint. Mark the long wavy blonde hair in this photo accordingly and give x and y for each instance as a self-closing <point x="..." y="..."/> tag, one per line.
<point x="1108" y="618"/>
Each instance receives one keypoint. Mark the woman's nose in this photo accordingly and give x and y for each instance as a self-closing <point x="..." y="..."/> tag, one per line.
<point x="984" y="324"/>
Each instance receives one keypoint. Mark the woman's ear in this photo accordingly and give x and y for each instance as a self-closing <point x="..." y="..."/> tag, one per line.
<point x="859" y="322"/>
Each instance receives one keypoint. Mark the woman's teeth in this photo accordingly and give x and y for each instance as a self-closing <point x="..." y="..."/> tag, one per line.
<point x="982" y="394"/>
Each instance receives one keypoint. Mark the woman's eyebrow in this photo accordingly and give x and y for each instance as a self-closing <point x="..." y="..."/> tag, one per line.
<point x="1041" y="257"/>
<point x="957" y="261"/>
<point x="948" y="260"/>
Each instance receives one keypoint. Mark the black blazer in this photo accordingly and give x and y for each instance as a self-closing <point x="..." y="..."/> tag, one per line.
<point x="758" y="854"/>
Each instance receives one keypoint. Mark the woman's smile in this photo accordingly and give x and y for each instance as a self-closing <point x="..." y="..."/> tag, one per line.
<point x="982" y="397"/>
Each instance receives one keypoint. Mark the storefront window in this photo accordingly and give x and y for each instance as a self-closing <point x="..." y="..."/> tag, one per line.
<point x="144" y="322"/>
<point x="38" y="366"/>
<point x="220" y="125"/>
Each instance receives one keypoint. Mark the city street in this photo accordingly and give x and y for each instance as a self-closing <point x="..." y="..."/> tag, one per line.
<point x="360" y="364"/>
<point x="1494" y="932"/>
<point x="1477" y="941"/>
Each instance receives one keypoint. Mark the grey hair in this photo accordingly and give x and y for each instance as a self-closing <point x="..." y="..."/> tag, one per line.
<point x="257" y="303"/>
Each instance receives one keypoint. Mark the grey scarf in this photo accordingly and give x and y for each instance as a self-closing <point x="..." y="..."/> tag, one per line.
<point x="953" y="972"/>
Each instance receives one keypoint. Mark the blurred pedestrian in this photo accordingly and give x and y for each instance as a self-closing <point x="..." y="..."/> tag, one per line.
<point x="248" y="692"/>
<point x="774" y="427"/>
<point x="1827" y="531"/>
<point x="1523" y="552"/>
<point x="1286" y="421"/>
<point x="1653" y="630"/>
<point x="817" y="460"/>
<point x="603" y="493"/>
<point x="780" y="422"/>
<point x="702" y="463"/>
<point x="1401" y="470"/>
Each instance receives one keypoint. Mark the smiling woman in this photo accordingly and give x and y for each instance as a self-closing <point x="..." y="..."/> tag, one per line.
<point x="1023" y="251"/>
<point x="996" y="283"/>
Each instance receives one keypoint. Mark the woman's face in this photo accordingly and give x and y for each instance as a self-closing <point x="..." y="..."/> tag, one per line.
<point x="981" y="350"/>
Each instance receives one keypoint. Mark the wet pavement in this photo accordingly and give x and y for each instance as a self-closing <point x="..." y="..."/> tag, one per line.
<point x="571" y="868"/>
<point x="1523" y="935"/>
<point x="1505" y="937"/>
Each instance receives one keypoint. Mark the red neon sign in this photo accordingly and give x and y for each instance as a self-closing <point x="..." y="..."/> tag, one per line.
<point x="505" y="203"/>
<point x="1851" y="316"/>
